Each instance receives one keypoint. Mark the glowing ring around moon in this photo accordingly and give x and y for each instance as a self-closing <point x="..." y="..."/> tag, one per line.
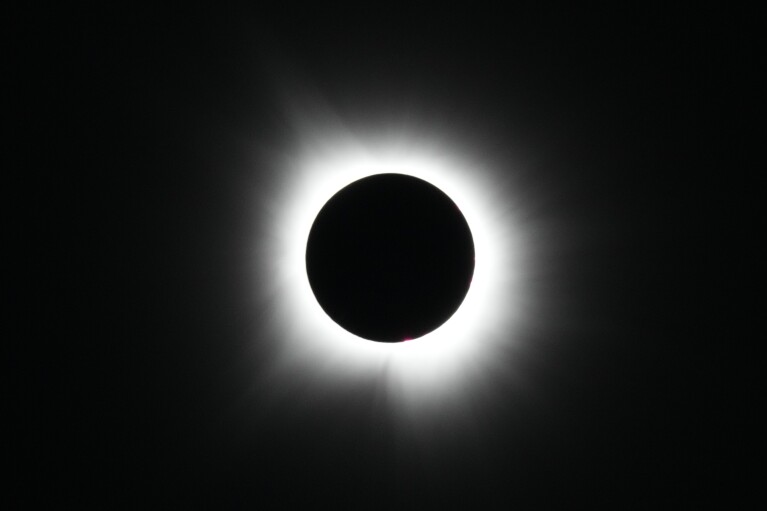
<point x="309" y="345"/>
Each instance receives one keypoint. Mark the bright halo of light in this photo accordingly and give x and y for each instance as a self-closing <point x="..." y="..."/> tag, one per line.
<point x="445" y="364"/>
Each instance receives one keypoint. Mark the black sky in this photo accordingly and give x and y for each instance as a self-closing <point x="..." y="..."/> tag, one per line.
<point x="137" y="181"/>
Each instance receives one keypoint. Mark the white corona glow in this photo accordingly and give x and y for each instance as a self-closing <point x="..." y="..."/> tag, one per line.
<point x="446" y="364"/>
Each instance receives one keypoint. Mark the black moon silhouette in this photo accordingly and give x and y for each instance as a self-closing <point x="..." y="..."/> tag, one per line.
<point x="390" y="258"/>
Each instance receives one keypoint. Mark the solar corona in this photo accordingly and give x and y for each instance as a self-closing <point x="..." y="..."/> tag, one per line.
<point x="458" y="296"/>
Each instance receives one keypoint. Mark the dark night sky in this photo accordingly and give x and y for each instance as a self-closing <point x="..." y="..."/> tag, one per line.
<point x="137" y="182"/>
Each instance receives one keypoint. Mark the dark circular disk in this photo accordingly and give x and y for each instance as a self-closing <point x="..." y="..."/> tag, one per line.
<point x="390" y="257"/>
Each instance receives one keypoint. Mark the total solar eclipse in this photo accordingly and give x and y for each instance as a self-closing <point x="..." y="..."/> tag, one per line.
<point x="390" y="258"/>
